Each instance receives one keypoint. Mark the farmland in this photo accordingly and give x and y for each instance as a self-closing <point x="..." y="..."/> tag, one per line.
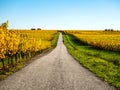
<point x="18" y="46"/>
<point x="98" y="51"/>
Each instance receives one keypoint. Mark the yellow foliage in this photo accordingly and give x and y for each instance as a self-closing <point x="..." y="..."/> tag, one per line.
<point x="26" y="41"/>
<point x="100" y="39"/>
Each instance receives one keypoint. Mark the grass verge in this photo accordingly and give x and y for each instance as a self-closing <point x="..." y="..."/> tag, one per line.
<point x="98" y="61"/>
<point x="54" y="41"/>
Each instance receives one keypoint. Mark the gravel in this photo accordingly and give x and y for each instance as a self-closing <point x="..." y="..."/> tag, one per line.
<point x="54" y="71"/>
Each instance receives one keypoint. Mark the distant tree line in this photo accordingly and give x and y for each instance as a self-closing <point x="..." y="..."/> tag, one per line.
<point x="109" y="30"/>
<point x="36" y="29"/>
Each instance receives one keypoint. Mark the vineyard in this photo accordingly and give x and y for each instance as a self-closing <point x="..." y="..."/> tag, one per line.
<point x="104" y="40"/>
<point x="17" y="46"/>
<point x="98" y="51"/>
<point x="109" y="41"/>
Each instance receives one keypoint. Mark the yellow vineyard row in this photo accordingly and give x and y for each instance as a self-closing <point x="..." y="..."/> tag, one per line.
<point x="100" y="39"/>
<point x="25" y="41"/>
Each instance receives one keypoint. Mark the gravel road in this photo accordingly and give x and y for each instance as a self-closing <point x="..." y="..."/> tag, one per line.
<point x="54" y="71"/>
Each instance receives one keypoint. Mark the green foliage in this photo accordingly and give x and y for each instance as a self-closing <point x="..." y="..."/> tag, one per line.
<point x="54" y="41"/>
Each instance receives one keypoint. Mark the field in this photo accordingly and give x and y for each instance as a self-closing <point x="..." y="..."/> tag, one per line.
<point x="18" y="46"/>
<point x="98" y="51"/>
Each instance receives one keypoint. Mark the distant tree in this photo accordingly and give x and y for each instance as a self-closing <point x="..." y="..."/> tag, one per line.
<point x="105" y="30"/>
<point x="112" y="30"/>
<point x="5" y="25"/>
<point x="38" y="28"/>
<point x="33" y="29"/>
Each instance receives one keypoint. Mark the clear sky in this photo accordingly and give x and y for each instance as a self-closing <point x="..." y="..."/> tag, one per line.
<point x="61" y="14"/>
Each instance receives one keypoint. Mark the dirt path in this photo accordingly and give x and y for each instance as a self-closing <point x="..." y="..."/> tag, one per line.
<point x="55" y="71"/>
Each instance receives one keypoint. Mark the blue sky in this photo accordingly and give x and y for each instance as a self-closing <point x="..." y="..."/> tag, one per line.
<point x="61" y="14"/>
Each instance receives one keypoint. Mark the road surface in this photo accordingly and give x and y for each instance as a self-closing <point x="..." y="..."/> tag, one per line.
<point x="54" y="71"/>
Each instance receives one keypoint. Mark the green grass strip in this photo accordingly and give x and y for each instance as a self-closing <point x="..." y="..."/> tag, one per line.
<point x="91" y="58"/>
